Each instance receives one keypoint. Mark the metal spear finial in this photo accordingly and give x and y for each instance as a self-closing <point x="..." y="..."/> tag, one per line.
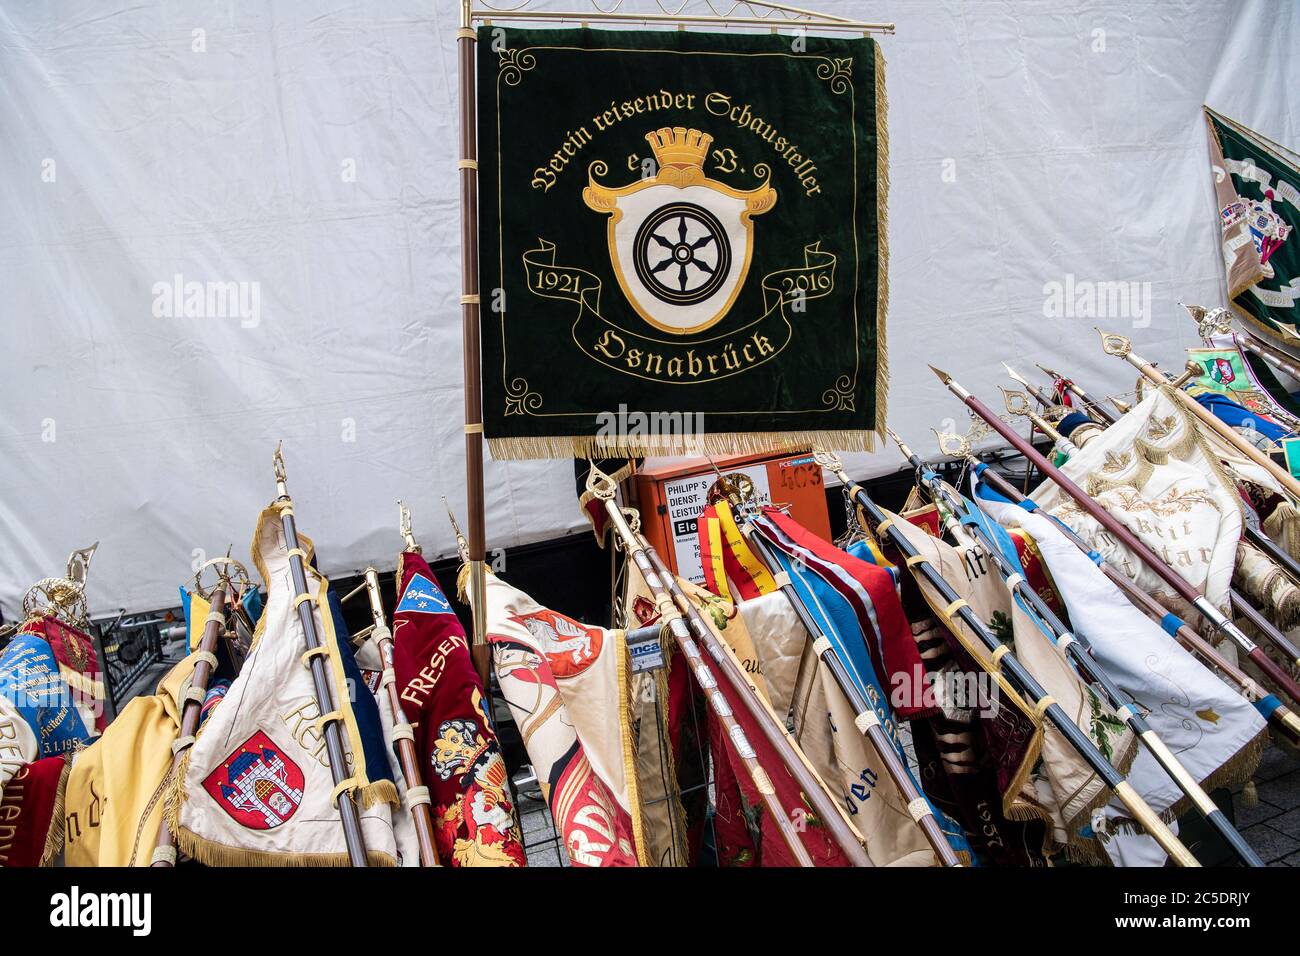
<point x="943" y="376"/>
<point x="1016" y="375"/>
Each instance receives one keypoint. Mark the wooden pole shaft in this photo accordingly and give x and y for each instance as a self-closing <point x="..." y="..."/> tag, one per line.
<point x="193" y="708"/>
<point x="406" y="754"/>
<point x="471" y="351"/>
<point x="1096" y="410"/>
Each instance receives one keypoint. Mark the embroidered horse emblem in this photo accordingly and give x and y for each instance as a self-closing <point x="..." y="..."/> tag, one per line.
<point x="569" y="647"/>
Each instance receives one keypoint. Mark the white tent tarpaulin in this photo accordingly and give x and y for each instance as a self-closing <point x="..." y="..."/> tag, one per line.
<point x="302" y="159"/>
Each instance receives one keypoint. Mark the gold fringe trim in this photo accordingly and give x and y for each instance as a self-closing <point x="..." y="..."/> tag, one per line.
<point x="882" y="248"/>
<point x="1283" y="526"/>
<point x="54" y="838"/>
<point x="1087" y="852"/>
<point x="673" y="788"/>
<point x="714" y="444"/>
<point x="1233" y="772"/>
<point x="218" y="854"/>
<point x="629" y="749"/>
<point x="380" y="791"/>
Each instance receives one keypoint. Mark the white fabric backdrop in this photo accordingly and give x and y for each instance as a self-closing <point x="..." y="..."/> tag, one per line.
<point x="154" y="434"/>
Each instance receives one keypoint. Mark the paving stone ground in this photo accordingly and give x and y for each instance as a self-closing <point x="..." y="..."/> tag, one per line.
<point x="1272" y="826"/>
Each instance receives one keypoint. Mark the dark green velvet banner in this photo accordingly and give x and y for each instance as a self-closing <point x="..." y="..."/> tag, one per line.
<point x="680" y="233"/>
<point x="1268" y="183"/>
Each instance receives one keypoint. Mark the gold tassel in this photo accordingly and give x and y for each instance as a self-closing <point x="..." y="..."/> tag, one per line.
<point x="462" y="584"/>
<point x="1250" y="794"/>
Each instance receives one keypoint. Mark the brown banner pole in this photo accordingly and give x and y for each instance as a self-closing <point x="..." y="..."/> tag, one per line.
<point x="469" y="304"/>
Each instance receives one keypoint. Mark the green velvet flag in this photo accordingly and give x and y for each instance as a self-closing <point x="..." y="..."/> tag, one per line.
<point x="1266" y="208"/>
<point x="682" y="241"/>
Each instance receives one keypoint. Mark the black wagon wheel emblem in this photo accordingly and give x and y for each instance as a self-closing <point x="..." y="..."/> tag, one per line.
<point x="681" y="253"/>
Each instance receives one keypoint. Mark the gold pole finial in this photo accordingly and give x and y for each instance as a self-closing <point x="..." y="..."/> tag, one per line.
<point x="404" y="526"/>
<point x="943" y="376"/>
<point x="277" y="462"/>
<point x="79" y="563"/>
<point x="1016" y="401"/>
<point x="1112" y="343"/>
<point x="958" y="446"/>
<point x="829" y="460"/>
<point x="462" y="546"/>
<point x="601" y="485"/>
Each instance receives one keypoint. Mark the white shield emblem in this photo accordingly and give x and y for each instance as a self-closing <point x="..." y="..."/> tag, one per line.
<point x="680" y="243"/>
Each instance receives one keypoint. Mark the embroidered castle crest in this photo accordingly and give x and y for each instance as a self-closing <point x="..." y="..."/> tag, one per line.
<point x="257" y="785"/>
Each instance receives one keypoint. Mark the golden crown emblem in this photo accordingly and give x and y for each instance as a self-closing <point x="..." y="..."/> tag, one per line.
<point x="679" y="146"/>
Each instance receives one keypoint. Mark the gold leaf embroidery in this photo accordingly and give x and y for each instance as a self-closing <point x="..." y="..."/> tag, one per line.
<point x="1115" y="461"/>
<point x="1159" y="428"/>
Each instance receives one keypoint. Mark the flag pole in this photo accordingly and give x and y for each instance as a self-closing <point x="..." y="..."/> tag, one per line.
<point x="417" y="794"/>
<point x="1009" y="665"/>
<point x="1122" y="347"/>
<point x="306" y="604"/>
<point x="867" y="722"/>
<point x="1252" y="534"/>
<point x="1217" y="619"/>
<point x="1094" y="408"/>
<point x="682" y="619"/>
<point x="1280" y="716"/>
<point x="1212" y="322"/>
<point x="1078" y="650"/>
<point x="164" y="853"/>
<point x="469" y="314"/>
